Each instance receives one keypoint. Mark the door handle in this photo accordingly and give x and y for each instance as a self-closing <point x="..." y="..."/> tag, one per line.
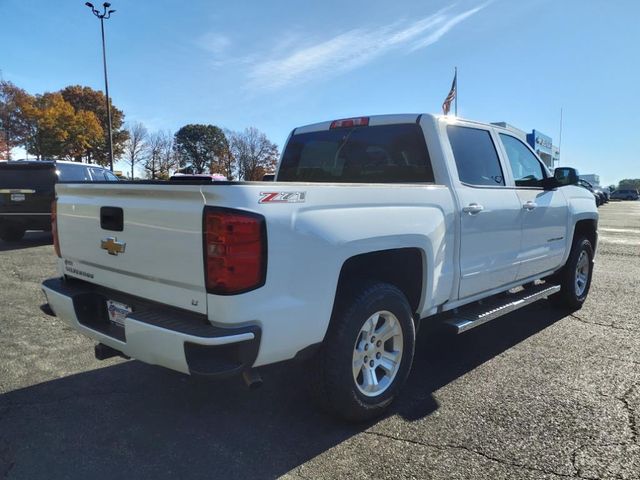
<point x="529" y="205"/>
<point x="473" y="209"/>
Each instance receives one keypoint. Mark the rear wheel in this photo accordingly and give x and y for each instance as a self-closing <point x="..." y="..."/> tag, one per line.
<point x="366" y="355"/>
<point x="575" y="277"/>
<point x="11" y="233"/>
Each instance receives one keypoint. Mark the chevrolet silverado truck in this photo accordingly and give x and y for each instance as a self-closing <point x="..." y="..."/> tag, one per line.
<point x="372" y="226"/>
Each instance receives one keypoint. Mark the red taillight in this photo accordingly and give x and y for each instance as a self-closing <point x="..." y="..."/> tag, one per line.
<point x="350" y="122"/>
<point x="54" y="227"/>
<point x="235" y="250"/>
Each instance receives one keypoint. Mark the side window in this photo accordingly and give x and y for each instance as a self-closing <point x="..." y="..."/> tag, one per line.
<point x="476" y="156"/>
<point x="73" y="173"/>
<point x="527" y="170"/>
<point x="96" y="174"/>
<point x="110" y="176"/>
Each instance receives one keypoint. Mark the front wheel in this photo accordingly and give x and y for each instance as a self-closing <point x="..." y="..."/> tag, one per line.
<point x="575" y="277"/>
<point x="366" y="355"/>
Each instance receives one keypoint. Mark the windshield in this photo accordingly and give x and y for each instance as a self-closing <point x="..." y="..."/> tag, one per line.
<point x="377" y="154"/>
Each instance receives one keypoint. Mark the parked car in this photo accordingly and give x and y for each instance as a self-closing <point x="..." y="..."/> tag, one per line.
<point x="27" y="190"/>
<point x="586" y="185"/>
<point x="364" y="235"/>
<point x="186" y="177"/>
<point x="600" y="192"/>
<point x="625" y="194"/>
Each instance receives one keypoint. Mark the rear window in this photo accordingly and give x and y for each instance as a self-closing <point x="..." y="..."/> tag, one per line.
<point x="25" y="176"/>
<point x="377" y="154"/>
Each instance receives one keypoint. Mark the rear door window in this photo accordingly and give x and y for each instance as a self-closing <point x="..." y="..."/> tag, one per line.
<point x="376" y="154"/>
<point x="527" y="170"/>
<point x="476" y="156"/>
<point x="73" y="173"/>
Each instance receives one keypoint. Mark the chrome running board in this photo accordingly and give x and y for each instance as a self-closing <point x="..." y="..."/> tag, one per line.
<point x="468" y="317"/>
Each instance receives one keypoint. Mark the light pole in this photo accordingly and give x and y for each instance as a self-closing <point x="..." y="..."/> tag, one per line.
<point x="105" y="15"/>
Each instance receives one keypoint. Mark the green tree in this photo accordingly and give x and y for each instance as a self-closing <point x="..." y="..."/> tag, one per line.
<point x="629" y="183"/>
<point x="201" y="147"/>
<point x="13" y="125"/>
<point x="254" y="153"/>
<point x="87" y="99"/>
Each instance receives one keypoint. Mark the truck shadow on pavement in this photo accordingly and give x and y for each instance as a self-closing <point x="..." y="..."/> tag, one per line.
<point x="30" y="240"/>
<point x="131" y="420"/>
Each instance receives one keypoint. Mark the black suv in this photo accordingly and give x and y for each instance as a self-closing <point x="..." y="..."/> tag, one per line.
<point x="27" y="188"/>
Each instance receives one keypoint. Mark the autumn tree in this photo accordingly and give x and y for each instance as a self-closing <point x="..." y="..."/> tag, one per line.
<point x="201" y="147"/>
<point x="4" y="149"/>
<point x="135" y="146"/>
<point x="13" y="127"/>
<point x="89" y="100"/>
<point x="254" y="153"/>
<point x="56" y="130"/>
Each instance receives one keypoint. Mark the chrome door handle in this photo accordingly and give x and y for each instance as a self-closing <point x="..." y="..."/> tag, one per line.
<point x="529" y="205"/>
<point x="473" y="208"/>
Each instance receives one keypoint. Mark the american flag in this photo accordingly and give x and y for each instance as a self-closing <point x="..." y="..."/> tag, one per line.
<point x="446" y="105"/>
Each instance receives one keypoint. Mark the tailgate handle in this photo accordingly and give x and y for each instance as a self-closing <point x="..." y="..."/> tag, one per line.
<point x="111" y="218"/>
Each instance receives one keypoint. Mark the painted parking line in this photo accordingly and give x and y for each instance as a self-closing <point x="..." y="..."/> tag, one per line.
<point x="620" y="230"/>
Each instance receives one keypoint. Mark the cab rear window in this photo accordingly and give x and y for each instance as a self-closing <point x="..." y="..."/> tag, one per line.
<point x="376" y="154"/>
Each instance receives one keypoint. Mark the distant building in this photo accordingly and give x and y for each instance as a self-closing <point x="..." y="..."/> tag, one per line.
<point x="522" y="135"/>
<point x="542" y="144"/>
<point x="592" y="178"/>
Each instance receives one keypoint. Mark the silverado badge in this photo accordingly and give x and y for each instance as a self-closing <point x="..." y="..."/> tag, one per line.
<point x="112" y="245"/>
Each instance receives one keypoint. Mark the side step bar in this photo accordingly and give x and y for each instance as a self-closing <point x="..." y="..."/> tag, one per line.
<point x="469" y="317"/>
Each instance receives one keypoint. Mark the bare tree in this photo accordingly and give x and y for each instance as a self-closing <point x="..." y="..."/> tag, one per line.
<point x="160" y="156"/>
<point x="135" y="148"/>
<point x="253" y="152"/>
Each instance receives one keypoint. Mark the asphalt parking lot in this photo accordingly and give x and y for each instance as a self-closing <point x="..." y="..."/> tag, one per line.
<point x="538" y="394"/>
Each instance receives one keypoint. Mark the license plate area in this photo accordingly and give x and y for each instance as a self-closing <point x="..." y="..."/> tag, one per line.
<point x="18" y="197"/>
<point x="117" y="312"/>
<point x="92" y="311"/>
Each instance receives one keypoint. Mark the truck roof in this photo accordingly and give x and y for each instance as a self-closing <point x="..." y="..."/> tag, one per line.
<point x="389" y="119"/>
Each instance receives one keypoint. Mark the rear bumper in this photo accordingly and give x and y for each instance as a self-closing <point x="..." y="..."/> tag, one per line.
<point x="154" y="333"/>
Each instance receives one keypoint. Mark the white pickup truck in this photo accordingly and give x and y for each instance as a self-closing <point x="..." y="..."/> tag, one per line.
<point x="373" y="225"/>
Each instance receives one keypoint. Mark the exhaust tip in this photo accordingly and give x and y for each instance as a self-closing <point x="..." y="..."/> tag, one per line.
<point x="252" y="378"/>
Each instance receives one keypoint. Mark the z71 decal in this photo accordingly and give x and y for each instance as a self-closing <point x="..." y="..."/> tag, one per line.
<point x="282" y="197"/>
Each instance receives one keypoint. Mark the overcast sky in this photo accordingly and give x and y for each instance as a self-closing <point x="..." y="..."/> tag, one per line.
<point x="280" y="64"/>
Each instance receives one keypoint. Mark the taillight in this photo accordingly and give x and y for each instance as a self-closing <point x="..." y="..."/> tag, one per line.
<point x="54" y="227"/>
<point x="235" y="250"/>
<point x="350" y="122"/>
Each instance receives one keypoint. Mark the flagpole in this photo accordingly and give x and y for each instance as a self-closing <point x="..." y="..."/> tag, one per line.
<point x="455" y="74"/>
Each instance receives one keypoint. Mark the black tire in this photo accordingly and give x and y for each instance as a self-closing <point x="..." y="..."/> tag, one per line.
<point x="12" y="233"/>
<point x="569" y="297"/>
<point x="332" y="382"/>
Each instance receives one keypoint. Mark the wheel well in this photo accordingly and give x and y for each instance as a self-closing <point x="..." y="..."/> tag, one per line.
<point x="587" y="228"/>
<point x="401" y="267"/>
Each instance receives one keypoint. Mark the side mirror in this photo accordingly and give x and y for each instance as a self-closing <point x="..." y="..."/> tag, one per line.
<point x="566" y="176"/>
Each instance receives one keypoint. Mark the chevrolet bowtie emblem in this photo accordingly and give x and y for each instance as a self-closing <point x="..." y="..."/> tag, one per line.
<point x="112" y="245"/>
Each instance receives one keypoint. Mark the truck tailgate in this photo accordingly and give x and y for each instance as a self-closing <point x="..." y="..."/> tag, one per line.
<point x="153" y="251"/>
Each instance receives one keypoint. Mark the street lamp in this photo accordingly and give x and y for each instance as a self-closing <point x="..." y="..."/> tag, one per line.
<point x="105" y="15"/>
